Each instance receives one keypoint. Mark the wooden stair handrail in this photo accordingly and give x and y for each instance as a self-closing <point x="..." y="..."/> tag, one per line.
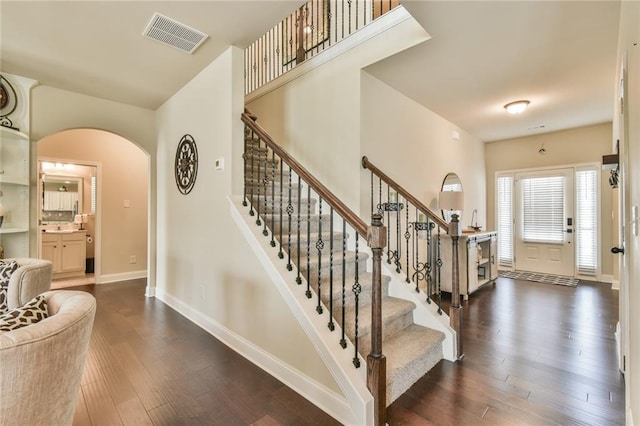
<point x="366" y="164"/>
<point x="347" y="214"/>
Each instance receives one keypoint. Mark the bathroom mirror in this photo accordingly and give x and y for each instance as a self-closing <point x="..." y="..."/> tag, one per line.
<point x="451" y="183"/>
<point x="61" y="198"/>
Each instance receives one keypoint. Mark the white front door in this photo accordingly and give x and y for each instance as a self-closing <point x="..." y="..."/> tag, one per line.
<point x="544" y="222"/>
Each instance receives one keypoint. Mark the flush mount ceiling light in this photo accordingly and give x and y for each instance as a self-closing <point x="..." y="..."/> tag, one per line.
<point x="516" y="107"/>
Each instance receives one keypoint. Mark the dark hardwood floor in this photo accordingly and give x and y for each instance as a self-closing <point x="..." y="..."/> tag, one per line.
<point x="536" y="354"/>
<point x="148" y="365"/>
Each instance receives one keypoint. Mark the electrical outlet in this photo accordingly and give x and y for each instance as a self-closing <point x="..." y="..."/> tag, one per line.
<point x="132" y="259"/>
<point x="202" y="292"/>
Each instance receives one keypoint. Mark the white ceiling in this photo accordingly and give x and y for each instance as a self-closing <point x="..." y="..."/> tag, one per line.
<point x="96" y="47"/>
<point x="560" y="55"/>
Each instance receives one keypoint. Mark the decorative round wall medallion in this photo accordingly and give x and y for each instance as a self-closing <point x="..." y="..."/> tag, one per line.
<point x="8" y="102"/>
<point x="186" y="167"/>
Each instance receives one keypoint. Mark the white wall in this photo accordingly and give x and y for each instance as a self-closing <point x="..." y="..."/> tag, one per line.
<point x="628" y="127"/>
<point x="317" y="116"/>
<point x="582" y="145"/>
<point x="206" y="267"/>
<point x="414" y="146"/>
<point x="54" y="110"/>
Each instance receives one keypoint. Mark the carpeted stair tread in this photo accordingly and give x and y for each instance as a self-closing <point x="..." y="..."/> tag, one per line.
<point x="392" y="309"/>
<point x="410" y="354"/>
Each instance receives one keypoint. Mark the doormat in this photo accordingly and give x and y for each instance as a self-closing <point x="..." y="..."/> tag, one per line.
<point x="541" y="278"/>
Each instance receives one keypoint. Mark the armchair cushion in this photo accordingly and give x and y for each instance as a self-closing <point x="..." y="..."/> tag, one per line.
<point x="6" y="269"/>
<point x="30" y="313"/>
<point x="32" y="277"/>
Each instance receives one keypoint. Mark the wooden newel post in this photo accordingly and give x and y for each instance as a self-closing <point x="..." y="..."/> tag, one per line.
<point x="455" y="311"/>
<point x="376" y="361"/>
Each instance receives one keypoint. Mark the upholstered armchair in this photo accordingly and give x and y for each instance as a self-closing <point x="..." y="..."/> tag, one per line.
<point x="41" y="365"/>
<point x="32" y="277"/>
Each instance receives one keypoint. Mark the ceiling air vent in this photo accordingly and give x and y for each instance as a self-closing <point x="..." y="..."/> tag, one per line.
<point x="173" y="33"/>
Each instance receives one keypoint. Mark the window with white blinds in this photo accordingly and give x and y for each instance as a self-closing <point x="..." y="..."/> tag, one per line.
<point x="543" y="209"/>
<point x="586" y="229"/>
<point x="504" y="219"/>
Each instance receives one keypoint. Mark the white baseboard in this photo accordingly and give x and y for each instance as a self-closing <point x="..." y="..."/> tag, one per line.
<point x="124" y="276"/>
<point x="315" y="392"/>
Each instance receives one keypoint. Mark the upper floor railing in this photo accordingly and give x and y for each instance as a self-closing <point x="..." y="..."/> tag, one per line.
<point x="312" y="28"/>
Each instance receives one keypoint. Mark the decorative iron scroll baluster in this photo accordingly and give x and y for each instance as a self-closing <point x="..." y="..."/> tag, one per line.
<point x="407" y="236"/>
<point x="258" y="178"/>
<point x="429" y="269"/>
<point x="280" y="253"/>
<point x="343" y="341"/>
<point x="331" y="324"/>
<point x="252" y="178"/>
<point x="265" y="186"/>
<point x="357" y="288"/>
<point x="289" y="213"/>
<point x="273" y="199"/>
<point x="308" y="292"/>
<point x="319" y="247"/>
<point x="398" y="253"/>
<point x="438" y="272"/>
<point x="299" y="277"/>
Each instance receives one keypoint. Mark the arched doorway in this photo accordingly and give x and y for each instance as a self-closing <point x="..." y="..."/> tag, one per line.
<point x="117" y="229"/>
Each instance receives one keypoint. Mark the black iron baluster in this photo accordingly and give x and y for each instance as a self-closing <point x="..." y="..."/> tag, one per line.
<point x="343" y="341"/>
<point x="265" y="187"/>
<point x="253" y="176"/>
<point x="308" y="292"/>
<point x="380" y="197"/>
<point x="398" y="242"/>
<point x="289" y="213"/>
<point x="356" y="291"/>
<point x="407" y="236"/>
<point x="273" y="199"/>
<point x="259" y="180"/>
<point x="349" y="3"/>
<point x="331" y="325"/>
<point x="280" y="253"/>
<point x="244" y="168"/>
<point x="371" y="192"/>
<point x="299" y="245"/>
<point x="439" y="267"/>
<point x="319" y="247"/>
<point x="390" y="253"/>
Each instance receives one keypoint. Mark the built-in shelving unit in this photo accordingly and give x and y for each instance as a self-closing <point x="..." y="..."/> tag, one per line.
<point x="15" y="166"/>
<point x="14" y="184"/>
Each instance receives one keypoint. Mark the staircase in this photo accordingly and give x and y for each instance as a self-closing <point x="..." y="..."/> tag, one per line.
<point x="332" y="266"/>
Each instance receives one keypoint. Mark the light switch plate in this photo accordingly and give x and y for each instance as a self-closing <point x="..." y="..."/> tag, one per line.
<point x="220" y="164"/>
<point x="127" y="203"/>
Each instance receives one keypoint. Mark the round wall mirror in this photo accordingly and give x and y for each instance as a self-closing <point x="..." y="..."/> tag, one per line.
<point x="451" y="203"/>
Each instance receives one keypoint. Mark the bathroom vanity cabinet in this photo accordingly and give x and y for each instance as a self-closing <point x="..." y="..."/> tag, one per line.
<point x="477" y="258"/>
<point x="67" y="251"/>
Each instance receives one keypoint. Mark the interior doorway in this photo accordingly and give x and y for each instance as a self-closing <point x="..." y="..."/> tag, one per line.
<point x="68" y="201"/>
